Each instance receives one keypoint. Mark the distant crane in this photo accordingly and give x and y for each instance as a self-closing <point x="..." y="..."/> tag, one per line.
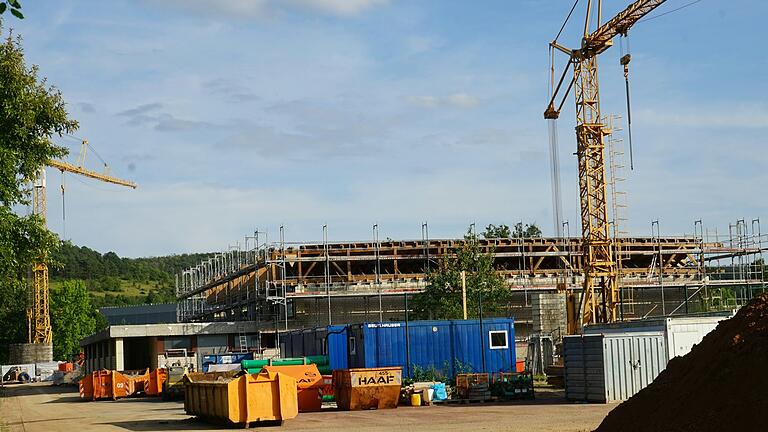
<point x="38" y="311"/>
<point x="600" y="296"/>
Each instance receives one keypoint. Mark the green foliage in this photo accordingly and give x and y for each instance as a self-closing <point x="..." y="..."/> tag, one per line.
<point x="72" y="318"/>
<point x="442" y="297"/>
<point x="430" y="373"/>
<point x="15" y="8"/>
<point x="526" y="231"/>
<point x="30" y="113"/>
<point x="493" y="231"/>
<point x="520" y="230"/>
<point x="122" y="281"/>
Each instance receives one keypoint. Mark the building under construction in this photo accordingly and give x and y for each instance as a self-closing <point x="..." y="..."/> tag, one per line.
<point x="288" y="285"/>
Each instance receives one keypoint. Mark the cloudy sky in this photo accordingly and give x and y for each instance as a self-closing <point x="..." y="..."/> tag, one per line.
<point x="237" y="115"/>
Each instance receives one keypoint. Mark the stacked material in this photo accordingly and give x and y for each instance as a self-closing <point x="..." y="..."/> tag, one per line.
<point x="720" y="385"/>
<point x="255" y="366"/>
<point x="473" y="387"/>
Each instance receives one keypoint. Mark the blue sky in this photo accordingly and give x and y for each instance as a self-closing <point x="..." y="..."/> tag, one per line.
<point x="237" y="115"/>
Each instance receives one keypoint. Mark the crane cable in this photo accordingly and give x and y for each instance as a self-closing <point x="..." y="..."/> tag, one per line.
<point x="624" y="61"/>
<point x="63" y="210"/>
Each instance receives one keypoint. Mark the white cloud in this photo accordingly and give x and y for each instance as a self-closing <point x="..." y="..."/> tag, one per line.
<point x="753" y="116"/>
<point x="340" y="7"/>
<point x="455" y="100"/>
<point x="246" y="9"/>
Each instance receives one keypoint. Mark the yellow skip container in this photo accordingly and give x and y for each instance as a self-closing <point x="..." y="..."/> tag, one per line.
<point x="265" y="397"/>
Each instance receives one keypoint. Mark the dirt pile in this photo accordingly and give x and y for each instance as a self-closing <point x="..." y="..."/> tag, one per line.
<point x="721" y="385"/>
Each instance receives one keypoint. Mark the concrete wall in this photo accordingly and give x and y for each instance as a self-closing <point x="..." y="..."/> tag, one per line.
<point x="30" y="353"/>
<point x="548" y="314"/>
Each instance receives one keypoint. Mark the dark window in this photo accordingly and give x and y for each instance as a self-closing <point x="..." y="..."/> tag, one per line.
<point x="498" y="339"/>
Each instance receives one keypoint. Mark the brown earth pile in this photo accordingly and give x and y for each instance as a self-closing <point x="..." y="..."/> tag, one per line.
<point x="721" y="385"/>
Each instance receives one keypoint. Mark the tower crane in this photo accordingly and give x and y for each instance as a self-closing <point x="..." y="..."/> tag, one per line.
<point x="38" y="312"/>
<point x="599" y="299"/>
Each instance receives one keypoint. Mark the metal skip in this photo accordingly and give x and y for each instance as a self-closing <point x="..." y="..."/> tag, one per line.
<point x="358" y="389"/>
<point x="265" y="397"/>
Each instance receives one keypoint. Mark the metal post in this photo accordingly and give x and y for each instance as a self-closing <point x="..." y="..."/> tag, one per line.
<point x="283" y="274"/>
<point x="482" y="333"/>
<point x="759" y="251"/>
<point x="376" y="251"/>
<point x="327" y="271"/>
<point x="425" y="241"/>
<point x="657" y="236"/>
<point x="407" y="339"/>
<point x="464" y="292"/>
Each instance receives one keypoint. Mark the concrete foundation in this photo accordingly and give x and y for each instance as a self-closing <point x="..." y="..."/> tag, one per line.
<point x="30" y="353"/>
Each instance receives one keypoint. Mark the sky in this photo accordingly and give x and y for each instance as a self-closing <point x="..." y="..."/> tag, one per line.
<point x="235" y="116"/>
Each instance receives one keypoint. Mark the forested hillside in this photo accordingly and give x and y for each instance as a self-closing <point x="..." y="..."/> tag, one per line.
<point x="115" y="281"/>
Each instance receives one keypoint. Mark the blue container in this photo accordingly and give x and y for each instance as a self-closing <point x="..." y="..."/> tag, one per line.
<point x="336" y="346"/>
<point x="449" y="346"/>
<point x="329" y="341"/>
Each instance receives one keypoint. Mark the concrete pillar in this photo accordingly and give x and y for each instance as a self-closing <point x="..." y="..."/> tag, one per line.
<point x="119" y="356"/>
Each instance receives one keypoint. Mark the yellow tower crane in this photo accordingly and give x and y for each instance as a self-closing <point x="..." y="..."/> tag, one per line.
<point x="600" y="296"/>
<point x="38" y="312"/>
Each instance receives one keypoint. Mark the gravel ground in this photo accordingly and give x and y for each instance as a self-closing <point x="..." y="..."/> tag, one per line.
<point x="42" y="407"/>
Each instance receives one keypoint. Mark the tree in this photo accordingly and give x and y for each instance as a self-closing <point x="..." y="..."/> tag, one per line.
<point x="15" y="7"/>
<point x="493" y="231"/>
<point x="529" y="230"/>
<point x="503" y="231"/>
<point x="442" y="297"/>
<point x="72" y="318"/>
<point x="30" y="113"/>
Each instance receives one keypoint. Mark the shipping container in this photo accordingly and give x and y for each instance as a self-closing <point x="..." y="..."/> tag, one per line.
<point x="448" y="346"/>
<point x="328" y="341"/>
<point x="612" y="362"/>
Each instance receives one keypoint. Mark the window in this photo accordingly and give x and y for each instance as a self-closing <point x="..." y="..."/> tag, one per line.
<point x="498" y="339"/>
<point x="324" y="348"/>
<point x="352" y="345"/>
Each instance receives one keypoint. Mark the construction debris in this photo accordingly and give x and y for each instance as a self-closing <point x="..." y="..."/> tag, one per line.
<point x="720" y="385"/>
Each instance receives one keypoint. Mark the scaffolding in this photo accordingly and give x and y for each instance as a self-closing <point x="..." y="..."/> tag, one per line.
<point x="283" y="285"/>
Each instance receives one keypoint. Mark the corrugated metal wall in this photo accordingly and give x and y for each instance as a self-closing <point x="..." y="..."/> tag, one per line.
<point x="336" y="348"/>
<point x="584" y="368"/>
<point x="611" y="367"/>
<point x="448" y="346"/>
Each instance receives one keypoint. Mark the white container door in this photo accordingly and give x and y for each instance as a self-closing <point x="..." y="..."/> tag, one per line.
<point x="649" y="358"/>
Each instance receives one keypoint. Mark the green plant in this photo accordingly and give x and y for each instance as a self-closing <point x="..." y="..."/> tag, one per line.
<point x="430" y="373"/>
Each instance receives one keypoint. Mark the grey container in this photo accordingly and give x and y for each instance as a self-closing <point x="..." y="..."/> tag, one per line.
<point x="611" y="367"/>
<point x="612" y="362"/>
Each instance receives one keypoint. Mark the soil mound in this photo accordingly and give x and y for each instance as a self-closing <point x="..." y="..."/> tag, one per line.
<point x="721" y="385"/>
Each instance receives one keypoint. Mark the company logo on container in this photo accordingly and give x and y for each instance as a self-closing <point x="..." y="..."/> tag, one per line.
<point x="383" y="325"/>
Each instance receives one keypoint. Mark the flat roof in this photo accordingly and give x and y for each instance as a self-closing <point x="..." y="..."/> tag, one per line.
<point x="171" y="329"/>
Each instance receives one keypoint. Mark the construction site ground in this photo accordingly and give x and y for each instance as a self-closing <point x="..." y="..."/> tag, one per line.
<point x="43" y="407"/>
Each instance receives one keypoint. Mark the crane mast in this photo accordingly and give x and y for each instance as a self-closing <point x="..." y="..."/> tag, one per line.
<point x="38" y="309"/>
<point x="600" y="295"/>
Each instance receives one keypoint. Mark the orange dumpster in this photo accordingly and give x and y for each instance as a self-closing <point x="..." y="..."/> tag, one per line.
<point x="357" y="389"/>
<point x="139" y="379"/>
<point x="154" y="386"/>
<point x="263" y="397"/>
<point x="309" y="384"/>
<point x="105" y="384"/>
